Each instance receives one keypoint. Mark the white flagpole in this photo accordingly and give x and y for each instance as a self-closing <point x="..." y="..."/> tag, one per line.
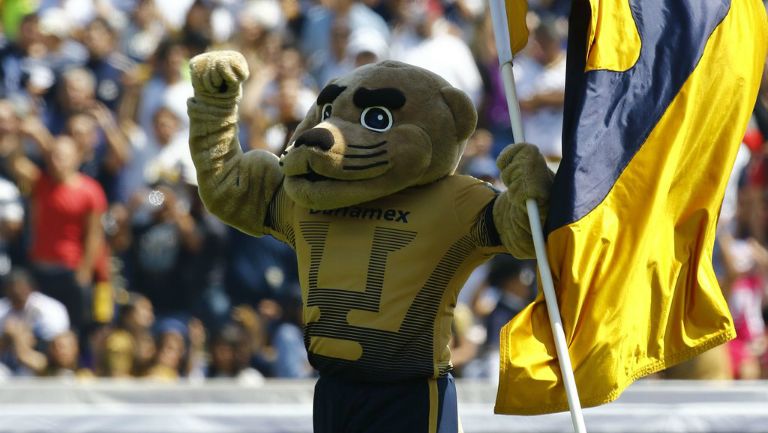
<point x="501" y="34"/>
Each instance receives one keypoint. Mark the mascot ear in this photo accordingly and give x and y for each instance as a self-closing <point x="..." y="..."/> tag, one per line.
<point x="463" y="111"/>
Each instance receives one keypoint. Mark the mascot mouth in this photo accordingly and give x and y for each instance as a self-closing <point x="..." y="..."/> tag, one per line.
<point x="350" y="171"/>
<point x="313" y="176"/>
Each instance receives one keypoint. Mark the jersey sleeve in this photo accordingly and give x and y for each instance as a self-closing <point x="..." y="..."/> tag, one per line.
<point x="474" y="208"/>
<point x="279" y="219"/>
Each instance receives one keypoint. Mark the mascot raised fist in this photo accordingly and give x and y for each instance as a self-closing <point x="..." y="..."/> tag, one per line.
<point x="385" y="233"/>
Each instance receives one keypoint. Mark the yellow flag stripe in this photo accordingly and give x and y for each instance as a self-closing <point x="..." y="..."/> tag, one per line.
<point x="613" y="41"/>
<point x="518" y="29"/>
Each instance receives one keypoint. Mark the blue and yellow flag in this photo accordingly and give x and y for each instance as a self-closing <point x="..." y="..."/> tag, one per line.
<point x="658" y="96"/>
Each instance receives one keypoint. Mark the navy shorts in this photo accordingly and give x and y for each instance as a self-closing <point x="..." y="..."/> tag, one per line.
<point x="419" y="406"/>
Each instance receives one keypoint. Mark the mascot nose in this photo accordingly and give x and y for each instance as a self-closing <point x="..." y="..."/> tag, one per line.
<point x="315" y="137"/>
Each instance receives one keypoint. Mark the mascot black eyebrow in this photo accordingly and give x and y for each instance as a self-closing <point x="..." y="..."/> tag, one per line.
<point x="385" y="233"/>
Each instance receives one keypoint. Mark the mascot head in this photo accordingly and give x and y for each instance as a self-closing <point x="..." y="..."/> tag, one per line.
<point x="374" y="132"/>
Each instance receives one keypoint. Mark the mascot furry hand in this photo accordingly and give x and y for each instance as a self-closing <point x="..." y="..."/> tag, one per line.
<point x="384" y="231"/>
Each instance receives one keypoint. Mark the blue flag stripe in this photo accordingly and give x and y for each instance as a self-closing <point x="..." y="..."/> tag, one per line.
<point x="608" y="114"/>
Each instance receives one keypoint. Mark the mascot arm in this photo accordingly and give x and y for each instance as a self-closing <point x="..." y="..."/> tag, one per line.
<point x="526" y="175"/>
<point x="235" y="187"/>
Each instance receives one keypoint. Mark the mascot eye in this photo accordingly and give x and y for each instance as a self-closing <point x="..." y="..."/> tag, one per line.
<point x="377" y="119"/>
<point x="327" y="110"/>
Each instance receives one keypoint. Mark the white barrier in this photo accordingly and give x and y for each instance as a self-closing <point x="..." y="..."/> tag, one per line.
<point x="41" y="406"/>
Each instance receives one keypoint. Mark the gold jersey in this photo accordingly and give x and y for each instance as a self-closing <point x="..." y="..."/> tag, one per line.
<point x="380" y="280"/>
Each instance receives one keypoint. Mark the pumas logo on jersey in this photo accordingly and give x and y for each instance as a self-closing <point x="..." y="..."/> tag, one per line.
<point x="395" y="215"/>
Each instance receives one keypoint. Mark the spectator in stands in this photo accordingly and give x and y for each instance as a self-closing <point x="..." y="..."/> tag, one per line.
<point x="11" y="208"/>
<point x="514" y="282"/>
<point x="107" y="65"/>
<point x="337" y="63"/>
<point x="63" y="356"/>
<point x="170" y="361"/>
<point x="173" y="13"/>
<point x="167" y="157"/>
<point x="230" y="356"/>
<point x="162" y="155"/>
<point x="59" y="360"/>
<point x="67" y="208"/>
<point x="464" y="344"/>
<point x="422" y="38"/>
<point x="541" y="83"/>
<point x="316" y="32"/>
<point x="291" y="98"/>
<point x="103" y="147"/>
<point x="746" y="265"/>
<point x="143" y="33"/>
<point x="10" y="134"/>
<point x="75" y="93"/>
<point x="294" y="16"/>
<point x="43" y="315"/>
<point x="756" y="174"/>
<point x="366" y="47"/>
<point x="508" y="289"/>
<point x="464" y="13"/>
<point x="145" y="351"/>
<point x="258" y="269"/>
<point x="477" y="160"/>
<point x="349" y="50"/>
<point x="19" y="57"/>
<point x="117" y="229"/>
<point x="167" y="87"/>
<point x="197" y="32"/>
<point x="276" y="108"/>
<point x="262" y="44"/>
<point x="558" y="8"/>
<point x="17" y="353"/>
<point x="78" y="13"/>
<point x="125" y="352"/>
<point x="493" y="112"/>
<point x="274" y="338"/>
<point x="197" y="354"/>
<point x="26" y="318"/>
<point x="11" y="224"/>
<point x="275" y="332"/>
<point x="166" y="243"/>
<point x="137" y="316"/>
<point x="63" y="51"/>
<point x="117" y="356"/>
<point x="256" y="32"/>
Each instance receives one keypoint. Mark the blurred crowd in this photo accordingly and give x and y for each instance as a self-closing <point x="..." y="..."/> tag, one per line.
<point x="111" y="267"/>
